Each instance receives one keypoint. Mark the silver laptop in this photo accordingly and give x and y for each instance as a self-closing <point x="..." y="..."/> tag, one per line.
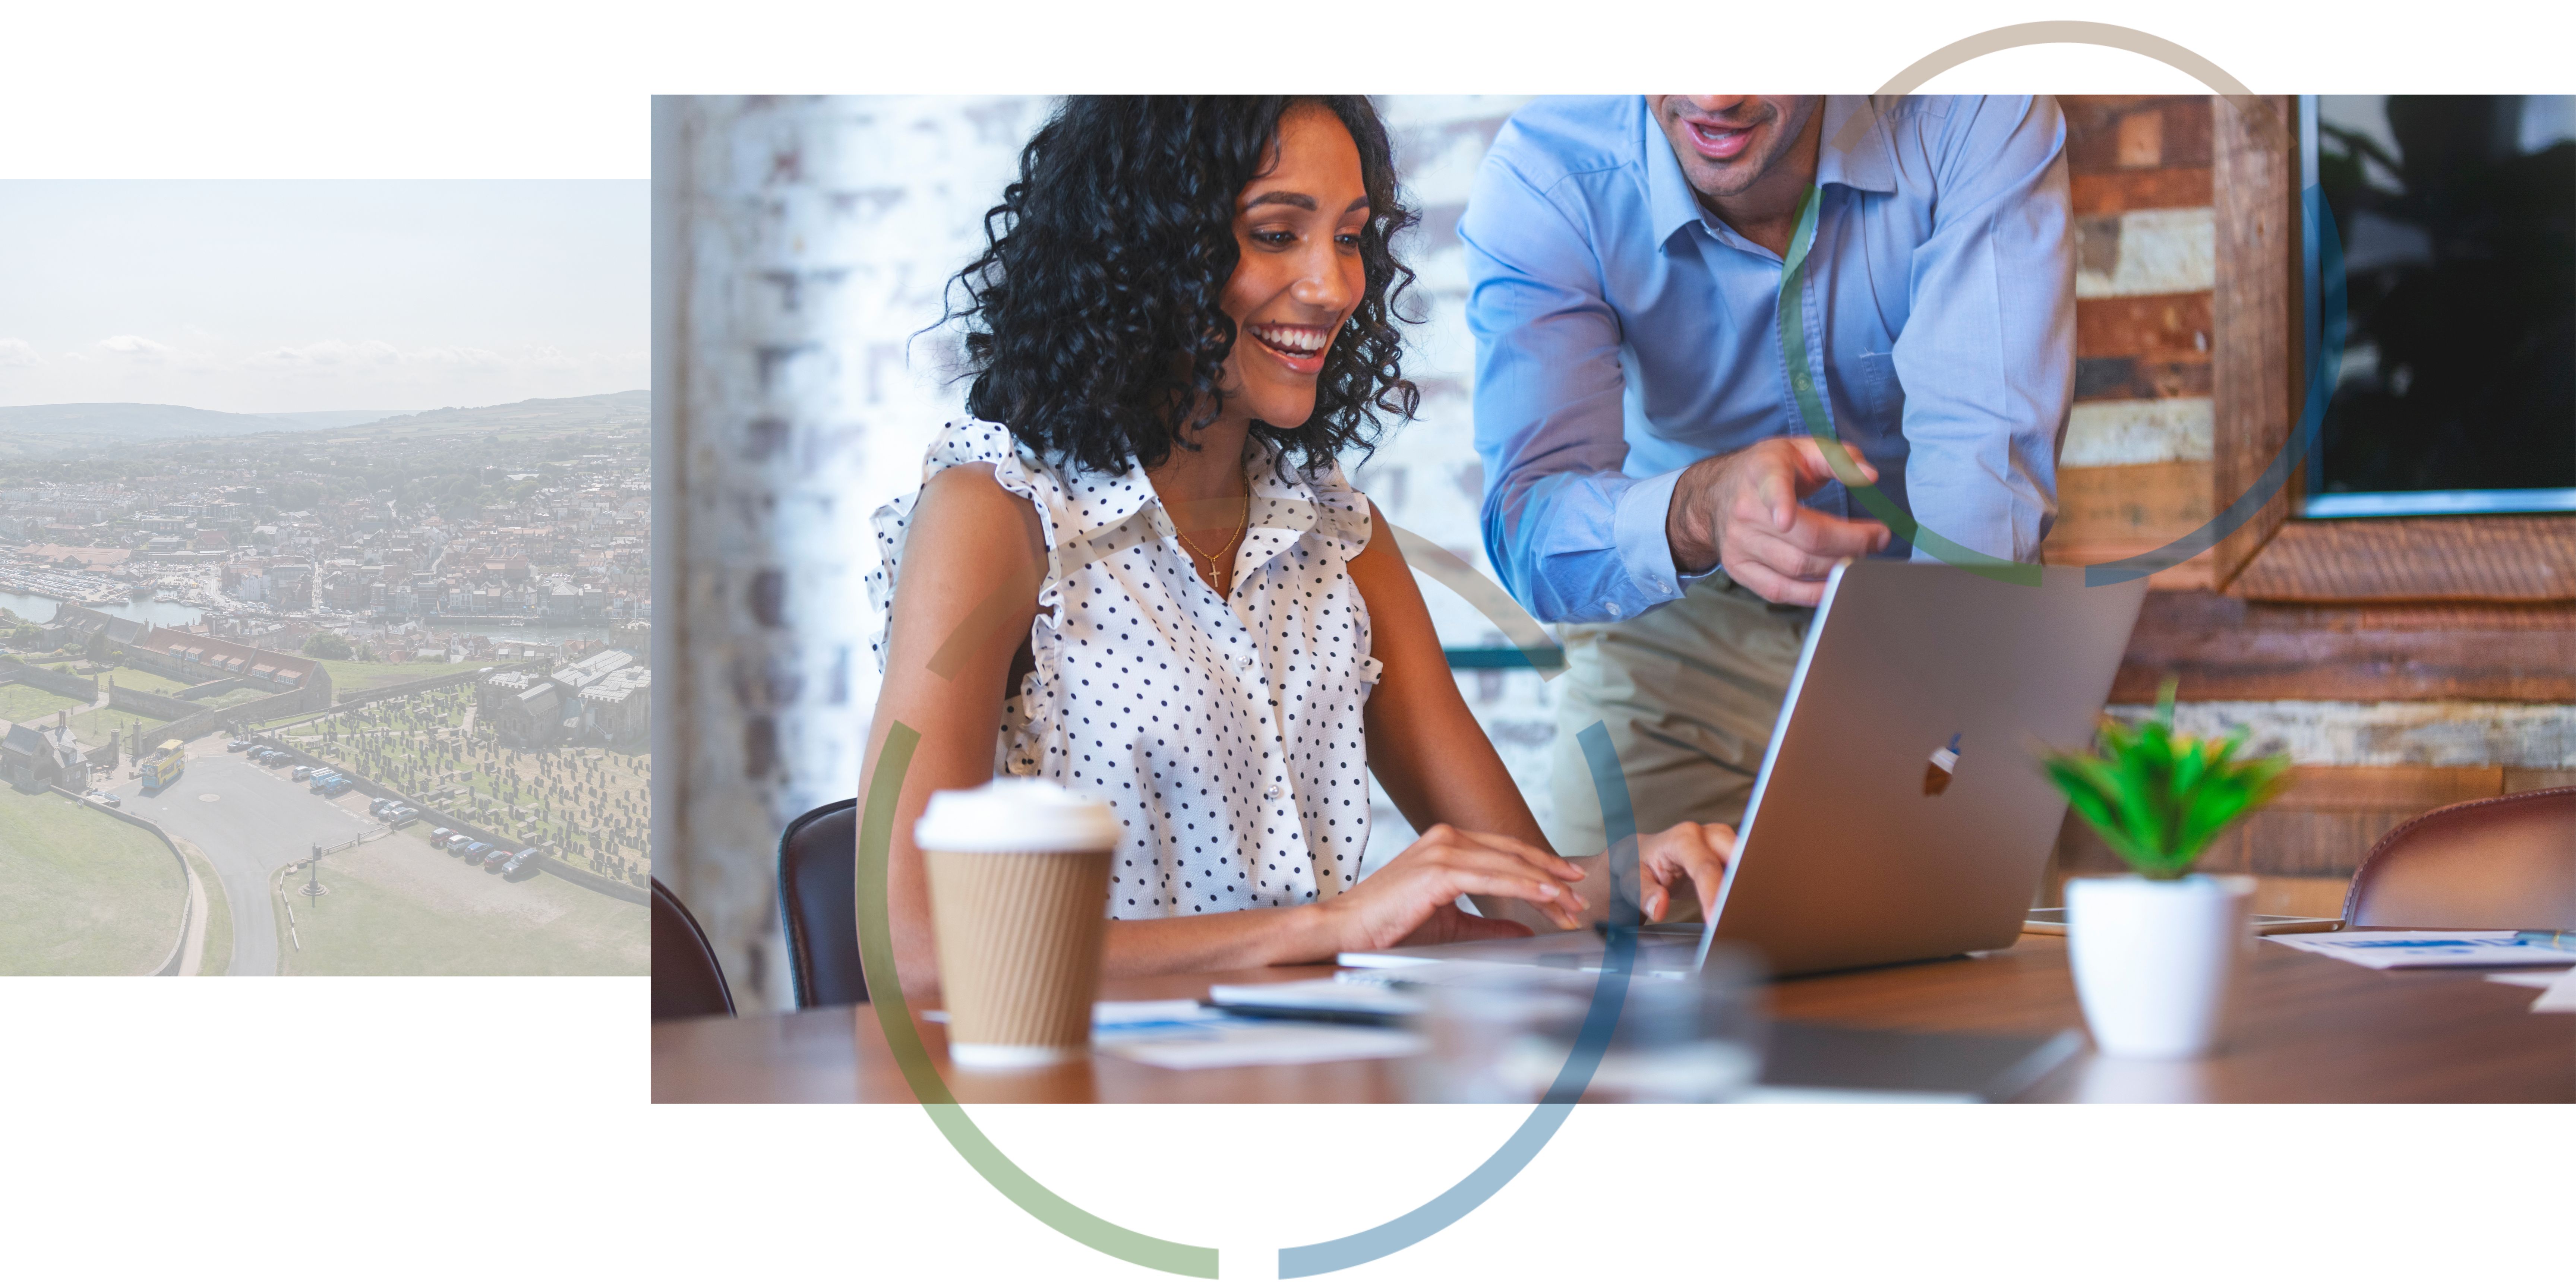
<point x="1900" y="812"/>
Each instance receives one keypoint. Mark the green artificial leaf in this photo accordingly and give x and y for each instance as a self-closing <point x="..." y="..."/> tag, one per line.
<point x="2158" y="798"/>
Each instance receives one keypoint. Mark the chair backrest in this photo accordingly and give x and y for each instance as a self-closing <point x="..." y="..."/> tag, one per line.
<point x="818" y="859"/>
<point x="688" y="981"/>
<point x="2507" y="863"/>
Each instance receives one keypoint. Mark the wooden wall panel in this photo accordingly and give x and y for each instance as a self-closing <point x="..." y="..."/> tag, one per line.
<point x="2162" y="188"/>
<point x="2110" y="132"/>
<point x="2221" y="648"/>
<point x="2320" y="828"/>
<point x="2528" y="558"/>
<point x="2255" y="315"/>
<point x="2110" y="512"/>
<point x="2138" y="325"/>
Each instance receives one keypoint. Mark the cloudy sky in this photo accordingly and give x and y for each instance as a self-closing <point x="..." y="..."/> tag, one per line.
<point x="321" y="295"/>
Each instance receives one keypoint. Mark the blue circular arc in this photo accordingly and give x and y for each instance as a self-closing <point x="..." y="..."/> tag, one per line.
<point x="1609" y="995"/>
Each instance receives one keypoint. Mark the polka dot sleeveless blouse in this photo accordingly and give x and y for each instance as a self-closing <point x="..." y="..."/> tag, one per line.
<point x="1225" y="732"/>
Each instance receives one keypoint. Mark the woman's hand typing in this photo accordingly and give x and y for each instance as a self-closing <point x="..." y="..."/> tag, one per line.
<point x="1413" y="898"/>
<point x="1693" y="852"/>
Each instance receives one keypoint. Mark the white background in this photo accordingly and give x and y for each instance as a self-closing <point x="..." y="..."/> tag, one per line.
<point x="497" y="1131"/>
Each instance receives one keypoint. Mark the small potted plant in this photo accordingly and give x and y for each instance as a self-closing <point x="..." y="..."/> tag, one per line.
<point x="2155" y="952"/>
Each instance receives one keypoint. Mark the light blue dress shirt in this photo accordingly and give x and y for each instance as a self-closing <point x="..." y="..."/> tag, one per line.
<point x="1623" y="332"/>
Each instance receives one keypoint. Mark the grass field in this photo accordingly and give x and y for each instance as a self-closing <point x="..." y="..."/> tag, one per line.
<point x="127" y="677"/>
<point x="349" y="677"/>
<point x="81" y="893"/>
<point x="27" y="704"/>
<point x="218" y="956"/>
<point x="377" y="920"/>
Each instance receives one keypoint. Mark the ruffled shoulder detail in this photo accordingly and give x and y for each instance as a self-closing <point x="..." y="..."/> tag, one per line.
<point x="1341" y="512"/>
<point x="966" y="442"/>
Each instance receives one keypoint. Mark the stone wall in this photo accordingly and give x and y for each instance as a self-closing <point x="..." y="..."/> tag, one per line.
<point x="210" y="719"/>
<point x="82" y="687"/>
<point x="159" y="706"/>
<point x="168" y="668"/>
<point x="407" y="688"/>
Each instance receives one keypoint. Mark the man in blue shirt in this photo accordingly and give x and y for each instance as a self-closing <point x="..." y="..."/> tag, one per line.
<point x="1650" y="482"/>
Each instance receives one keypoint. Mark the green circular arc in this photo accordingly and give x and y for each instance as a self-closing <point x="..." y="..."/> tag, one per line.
<point x="895" y="758"/>
<point x="876" y="956"/>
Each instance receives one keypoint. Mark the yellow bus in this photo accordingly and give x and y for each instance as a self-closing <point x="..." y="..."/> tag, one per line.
<point x="161" y="768"/>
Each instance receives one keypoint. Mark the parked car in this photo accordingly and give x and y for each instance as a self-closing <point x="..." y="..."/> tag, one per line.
<point x="300" y="773"/>
<point x="475" y="851"/>
<point x="401" y="815"/>
<point x="237" y="744"/>
<point x="457" y="841"/>
<point x="524" y="859"/>
<point x="381" y="806"/>
<point x="108" y="799"/>
<point x="336" y="786"/>
<point x="440" y="836"/>
<point x="499" y="856"/>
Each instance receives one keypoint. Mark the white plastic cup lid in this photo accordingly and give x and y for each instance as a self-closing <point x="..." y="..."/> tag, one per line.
<point x="1015" y="814"/>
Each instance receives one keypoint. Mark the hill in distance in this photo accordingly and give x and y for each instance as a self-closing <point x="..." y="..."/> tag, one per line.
<point x="632" y="407"/>
<point x="84" y="429"/>
<point x="137" y="422"/>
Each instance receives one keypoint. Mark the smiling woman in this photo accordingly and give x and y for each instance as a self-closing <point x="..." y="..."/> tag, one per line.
<point x="1140" y="561"/>
<point x="1109" y="297"/>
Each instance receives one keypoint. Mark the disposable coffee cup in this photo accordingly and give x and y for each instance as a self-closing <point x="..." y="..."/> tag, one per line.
<point x="1019" y="892"/>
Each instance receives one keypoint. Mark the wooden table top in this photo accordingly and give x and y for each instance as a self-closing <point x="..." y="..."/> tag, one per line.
<point x="2308" y="1028"/>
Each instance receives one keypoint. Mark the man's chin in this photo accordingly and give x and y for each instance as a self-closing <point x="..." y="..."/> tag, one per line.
<point x="1730" y="182"/>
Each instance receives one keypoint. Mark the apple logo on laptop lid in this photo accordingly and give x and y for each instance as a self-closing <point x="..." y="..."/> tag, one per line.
<point x="1936" y="776"/>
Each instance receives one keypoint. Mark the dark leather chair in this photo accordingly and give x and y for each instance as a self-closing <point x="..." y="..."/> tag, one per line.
<point x="818" y="860"/>
<point x="688" y="981"/>
<point x="2508" y="863"/>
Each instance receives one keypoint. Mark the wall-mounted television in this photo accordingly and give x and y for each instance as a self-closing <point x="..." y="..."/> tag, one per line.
<point x="2457" y="219"/>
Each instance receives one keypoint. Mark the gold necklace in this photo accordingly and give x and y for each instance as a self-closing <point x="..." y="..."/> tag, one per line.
<point x="1241" y="526"/>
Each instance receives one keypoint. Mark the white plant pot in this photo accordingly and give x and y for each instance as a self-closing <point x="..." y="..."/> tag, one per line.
<point x="2156" y="961"/>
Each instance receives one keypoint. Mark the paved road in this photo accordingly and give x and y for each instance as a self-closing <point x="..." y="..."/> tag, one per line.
<point x="258" y="823"/>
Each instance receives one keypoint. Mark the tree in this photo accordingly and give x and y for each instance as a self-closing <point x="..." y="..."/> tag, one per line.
<point x="329" y="646"/>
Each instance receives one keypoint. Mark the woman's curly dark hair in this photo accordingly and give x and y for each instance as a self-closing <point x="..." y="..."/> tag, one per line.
<point x="1094" y="318"/>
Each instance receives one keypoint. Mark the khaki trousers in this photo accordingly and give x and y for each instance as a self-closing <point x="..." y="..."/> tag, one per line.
<point x="1688" y="693"/>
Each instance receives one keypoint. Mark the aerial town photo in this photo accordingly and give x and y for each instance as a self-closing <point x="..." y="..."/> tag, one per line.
<point x="402" y="661"/>
<point x="321" y="692"/>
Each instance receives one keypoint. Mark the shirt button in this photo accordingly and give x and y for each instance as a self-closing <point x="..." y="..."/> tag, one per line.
<point x="1276" y="791"/>
<point x="1613" y="606"/>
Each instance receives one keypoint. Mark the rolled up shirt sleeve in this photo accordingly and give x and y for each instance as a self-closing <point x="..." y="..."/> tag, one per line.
<point x="1573" y="538"/>
<point x="1987" y="358"/>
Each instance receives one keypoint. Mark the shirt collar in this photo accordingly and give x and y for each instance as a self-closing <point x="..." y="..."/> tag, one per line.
<point x="1283" y="500"/>
<point x="1868" y="165"/>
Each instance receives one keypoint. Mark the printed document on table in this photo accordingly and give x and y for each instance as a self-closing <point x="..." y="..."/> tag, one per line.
<point x="2560" y="997"/>
<point x="1179" y="1033"/>
<point x="2392" y="949"/>
<point x="1211" y="1039"/>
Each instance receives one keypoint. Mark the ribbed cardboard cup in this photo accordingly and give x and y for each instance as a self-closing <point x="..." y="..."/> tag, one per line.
<point x="1019" y="893"/>
<point x="1019" y="937"/>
